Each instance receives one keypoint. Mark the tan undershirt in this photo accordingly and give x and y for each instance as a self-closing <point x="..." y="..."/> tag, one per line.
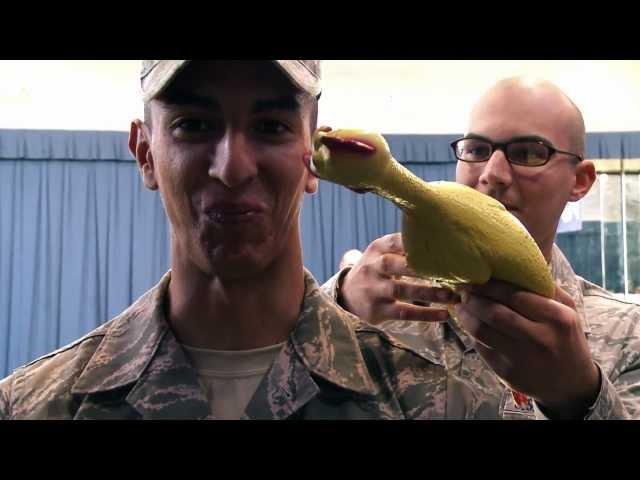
<point x="230" y="378"/>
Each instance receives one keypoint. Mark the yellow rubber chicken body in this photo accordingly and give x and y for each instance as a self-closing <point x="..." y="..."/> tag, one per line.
<point x="451" y="233"/>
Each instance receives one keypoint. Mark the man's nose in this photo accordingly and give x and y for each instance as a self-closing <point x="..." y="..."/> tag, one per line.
<point x="497" y="173"/>
<point x="234" y="163"/>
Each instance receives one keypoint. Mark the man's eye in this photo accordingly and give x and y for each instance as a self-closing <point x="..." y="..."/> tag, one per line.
<point x="271" y="127"/>
<point x="192" y="125"/>
<point x="479" y="151"/>
<point x="476" y="149"/>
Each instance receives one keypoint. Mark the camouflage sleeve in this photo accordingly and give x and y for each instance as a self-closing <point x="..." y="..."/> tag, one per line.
<point x="620" y="399"/>
<point x="5" y="396"/>
<point x="331" y="287"/>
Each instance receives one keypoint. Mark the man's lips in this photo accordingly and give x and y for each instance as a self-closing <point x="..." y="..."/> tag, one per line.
<point x="234" y="213"/>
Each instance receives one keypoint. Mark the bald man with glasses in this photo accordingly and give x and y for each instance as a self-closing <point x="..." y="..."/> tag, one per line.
<point x="573" y="357"/>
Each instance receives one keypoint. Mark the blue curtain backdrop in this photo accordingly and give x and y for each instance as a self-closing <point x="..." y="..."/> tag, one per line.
<point x="81" y="238"/>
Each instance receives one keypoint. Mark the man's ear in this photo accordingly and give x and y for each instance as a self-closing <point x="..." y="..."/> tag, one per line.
<point x="140" y="148"/>
<point x="585" y="178"/>
<point x="311" y="185"/>
<point x="311" y="182"/>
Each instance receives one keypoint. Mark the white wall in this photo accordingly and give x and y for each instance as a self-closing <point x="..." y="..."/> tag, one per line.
<point x="386" y="96"/>
<point x="436" y="96"/>
<point x="69" y="95"/>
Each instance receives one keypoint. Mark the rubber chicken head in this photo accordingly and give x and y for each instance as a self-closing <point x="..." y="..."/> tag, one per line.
<point x="353" y="158"/>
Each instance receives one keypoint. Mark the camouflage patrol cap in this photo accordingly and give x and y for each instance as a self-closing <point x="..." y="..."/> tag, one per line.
<point x="157" y="74"/>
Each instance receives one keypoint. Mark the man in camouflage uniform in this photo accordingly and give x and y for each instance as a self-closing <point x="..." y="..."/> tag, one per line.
<point x="238" y="296"/>
<point x="577" y="356"/>
<point x="237" y="328"/>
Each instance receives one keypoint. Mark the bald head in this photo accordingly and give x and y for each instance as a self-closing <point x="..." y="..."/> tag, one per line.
<point x="533" y="104"/>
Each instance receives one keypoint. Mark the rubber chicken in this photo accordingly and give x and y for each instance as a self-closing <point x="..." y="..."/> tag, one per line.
<point x="451" y="233"/>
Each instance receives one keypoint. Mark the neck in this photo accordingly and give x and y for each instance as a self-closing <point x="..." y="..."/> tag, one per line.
<point x="546" y="247"/>
<point x="402" y="187"/>
<point x="209" y="311"/>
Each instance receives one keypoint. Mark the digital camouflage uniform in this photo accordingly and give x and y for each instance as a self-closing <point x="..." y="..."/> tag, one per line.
<point x="333" y="366"/>
<point x="612" y="327"/>
<point x="132" y="367"/>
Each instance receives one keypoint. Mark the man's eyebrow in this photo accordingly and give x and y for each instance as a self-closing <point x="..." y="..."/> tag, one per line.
<point x="531" y="137"/>
<point x="288" y="103"/>
<point x="511" y="139"/>
<point x="183" y="98"/>
<point x="476" y="135"/>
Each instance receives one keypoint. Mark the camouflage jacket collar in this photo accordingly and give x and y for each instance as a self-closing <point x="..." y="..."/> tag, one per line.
<point x="140" y="352"/>
<point x="325" y="341"/>
<point x="322" y="345"/>
<point x="140" y="357"/>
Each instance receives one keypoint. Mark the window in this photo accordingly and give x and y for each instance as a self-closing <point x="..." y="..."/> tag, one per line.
<point x="603" y="245"/>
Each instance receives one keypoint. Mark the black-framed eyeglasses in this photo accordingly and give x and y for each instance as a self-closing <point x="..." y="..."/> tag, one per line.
<point x="527" y="151"/>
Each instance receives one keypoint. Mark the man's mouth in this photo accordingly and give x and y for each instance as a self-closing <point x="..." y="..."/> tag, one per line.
<point x="232" y="218"/>
<point x="234" y="213"/>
